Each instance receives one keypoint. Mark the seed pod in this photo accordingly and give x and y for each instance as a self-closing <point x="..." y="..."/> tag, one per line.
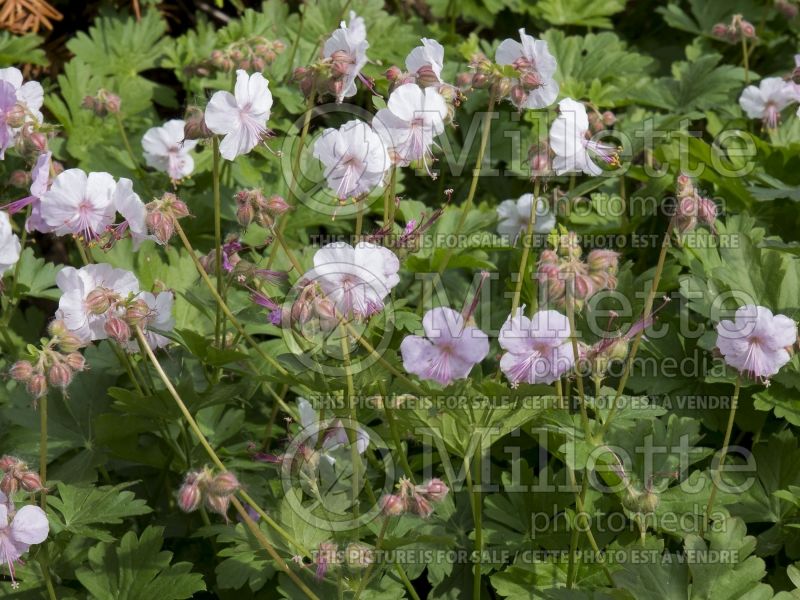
<point x="224" y="484"/>
<point x="117" y="329"/>
<point x="75" y="361"/>
<point x="22" y="370"/>
<point x="37" y="385"/>
<point x="393" y="505"/>
<point x="59" y="375"/>
<point x="31" y="482"/>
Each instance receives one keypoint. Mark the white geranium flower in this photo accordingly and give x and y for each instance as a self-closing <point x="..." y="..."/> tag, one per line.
<point x="29" y="94"/>
<point x="79" y="204"/>
<point x="568" y="139"/>
<point x="427" y="57"/>
<point x="356" y="280"/>
<point x="347" y="51"/>
<point x="132" y="209"/>
<point x="514" y="215"/>
<point x="355" y="159"/>
<point x="532" y="58"/>
<point x="166" y="150"/>
<point x="77" y="284"/>
<point x="159" y="318"/>
<point x="9" y="244"/>
<point x="767" y="100"/>
<point x="242" y="116"/>
<point x="412" y="119"/>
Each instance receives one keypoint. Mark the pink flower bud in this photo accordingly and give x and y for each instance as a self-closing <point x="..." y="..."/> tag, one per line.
<point x="426" y="77"/>
<point x="22" y="370"/>
<point x="9" y="485"/>
<point x="707" y="211"/>
<point x="189" y="497"/>
<point x="20" y="178"/>
<point x="421" y="506"/>
<point x="98" y="301"/>
<point x="224" y="484"/>
<point x="609" y="118"/>
<point x="245" y="214"/>
<point x="117" y="329"/>
<point x="75" y="361"/>
<point x="218" y="504"/>
<point x="37" y="385"/>
<point x="584" y="286"/>
<point x="8" y="462"/>
<point x="16" y="116"/>
<point x="548" y="257"/>
<point x="137" y="313"/>
<point x="530" y="80"/>
<point x="393" y="505"/>
<point x="31" y="482"/>
<point x="518" y="95"/>
<point x="59" y="375"/>
<point x="195" y="127"/>
<point x="479" y="81"/>
<point x="603" y="260"/>
<point x="70" y="342"/>
<point x="277" y="205"/>
<point x="748" y="30"/>
<point x="57" y="328"/>
<point x="719" y="30"/>
<point x="435" y="490"/>
<point x="393" y="73"/>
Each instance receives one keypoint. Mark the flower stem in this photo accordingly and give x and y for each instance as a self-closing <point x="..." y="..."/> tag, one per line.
<point x="43" y="449"/>
<point x="368" y="573"/>
<point x="352" y="438"/>
<point x="217" y="235"/>
<point x="262" y="539"/>
<point x="485" y="130"/>
<point x="648" y="309"/>
<point x="745" y="61"/>
<point x="723" y="452"/>
<point x="204" y="441"/>
<point x="477" y="507"/>
<point x="234" y="321"/>
<point x="388" y="201"/>
<point x="587" y="429"/>
<point x="127" y="143"/>
<point x="526" y="248"/>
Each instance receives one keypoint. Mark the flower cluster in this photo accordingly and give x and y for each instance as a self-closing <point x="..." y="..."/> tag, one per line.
<point x="691" y="208"/>
<point x="734" y="31"/>
<point x="53" y="364"/>
<point x="17" y="476"/>
<point x="253" y="53"/>
<point x="204" y="488"/>
<point x="565" y="267"/>
<point x="161" y="216"/>
<point x="100" y="302"/>
<point x="103" y="103"/>
<point x="253" y="205"/>
<point x="415" y="499"/>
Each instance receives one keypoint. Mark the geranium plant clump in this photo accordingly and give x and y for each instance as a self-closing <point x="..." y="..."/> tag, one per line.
<point x="349" y="300"/>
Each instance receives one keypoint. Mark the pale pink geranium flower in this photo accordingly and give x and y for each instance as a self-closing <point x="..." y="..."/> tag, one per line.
<point x="767" y="100"/>
<point x="356" y="280"/>
<point x="79" y="204"/>
<point x="334" y="434"/>
<point x="756" y="342"/>
<point x="413" y="117"/>
<point x="160" y="317"/>
<point x="538" y="350"/>
<point x="9" y="244"/>
<point x="242" y="116"/>
<point x="132" y="209"/>
<point x="568" y="139"/>
<point x="40" y="182"/>
<point x="347" y="51"/>
<point x="19" y="531"/>
<point x="514" y="215"/>
<point x="426" y="61"/>
<point x="355" y="159"/>
<point x="8" y="104"/>
<point x="166" y="150"/>
<point x="449" y="349"/>
<point x="536" y="87"/>
<point x="30" y="95"/>
<point x="77" y="284"/>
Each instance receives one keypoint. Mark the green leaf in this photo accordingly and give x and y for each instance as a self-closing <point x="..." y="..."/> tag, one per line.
<point x="37" y="278"/>
<point x="16" y="49"/>
<point x="588" y="13"/>
<point x="137" y="569"/>
<point x="80" y="509"/>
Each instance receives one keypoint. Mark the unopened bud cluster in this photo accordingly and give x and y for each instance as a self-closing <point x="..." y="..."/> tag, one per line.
<point x="163" y="214"/>
<point x="787" y="8"/>
<point x="313" y="310"/>
<point x="54" y="364"/>
<point x="252" y="205"/>
<point x="564" y="267"/>
<point x="251" y="54"/>
<point x="327" y="76"/>
<point x="735" y="31"/>
<point x="415" y="499"/>
<point x="356" y="555"/>
<point x="692" y="209"/>
<point x="102" y="103"/>
<point x="488" y="75"/>
<point x="17" y="476"/>
<point x="204" y="488"/>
